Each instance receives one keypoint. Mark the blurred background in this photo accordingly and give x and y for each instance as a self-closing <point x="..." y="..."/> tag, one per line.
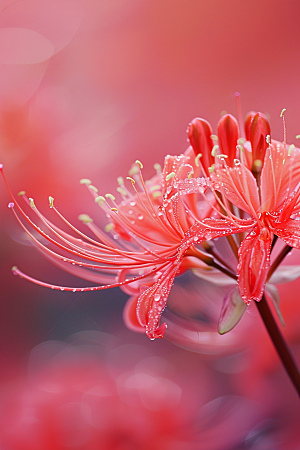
<point x="86" y="88"/>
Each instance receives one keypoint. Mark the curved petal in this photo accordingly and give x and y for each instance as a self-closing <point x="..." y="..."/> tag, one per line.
<point x="232" y="311"/>
<point x="239" y="186"/>
<point x="130" y="317"/>
<point x="285" y="274"/>
<point x="289" y="232"/>
<point x="254" y="264"/>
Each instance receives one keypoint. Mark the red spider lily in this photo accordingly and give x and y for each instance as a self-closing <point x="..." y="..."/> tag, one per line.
<point x="164" y="225"/>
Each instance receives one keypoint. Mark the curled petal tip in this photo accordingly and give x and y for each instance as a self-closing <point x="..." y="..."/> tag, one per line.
<point x="11" y="205"/>
<point x="158" y="333"/>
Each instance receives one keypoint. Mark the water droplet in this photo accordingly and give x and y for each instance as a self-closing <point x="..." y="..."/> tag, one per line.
<point x="132" y="203"/>
<point x="140" y="217"/>
<point x="157" y="298"/>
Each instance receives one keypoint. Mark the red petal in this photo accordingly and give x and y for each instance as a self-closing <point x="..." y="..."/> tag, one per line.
<point x="232" y="311"/>
<point x="254" y="264"/>
<point x="199" y="134"/>
<point x="239" y="186"/>
<point x="289" y="232"/>
<point x="130" y="317"/>
<point x="228" y="133"/>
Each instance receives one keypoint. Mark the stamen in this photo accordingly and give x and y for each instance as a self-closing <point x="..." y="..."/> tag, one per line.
<point x="31" y="202"/>
<point x="21" y="193"/>
<point x="100" y="200"/>
<point x="85" y="181"/>
<point x="282" y="112"/>
<point x="170" y="175"/>
<point x="85" y="218"/>
<point x="134" y="170"/>
<point x="109" y="227"/>
<point x="120" y="181"/>
<point x="93" y="188"/>
<point x="298" y="136"/>
<point x="214" y="149"/>
<point x="110" y="196"/>
<point x="197" y="159"/>
<point x="157" y="167"/>
<point x="114" y="209"/>
<point x="214" y="137"/>
<point x="139" y="163"/>
<point x="122" y="191"/>
<point x="11" y="205"/>
<point x="51" y="200"/>
<point x="131" y="179"/>
<point x="291" y="148"/>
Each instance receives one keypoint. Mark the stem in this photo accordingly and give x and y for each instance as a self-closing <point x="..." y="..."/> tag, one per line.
<point x="279" y="342"/>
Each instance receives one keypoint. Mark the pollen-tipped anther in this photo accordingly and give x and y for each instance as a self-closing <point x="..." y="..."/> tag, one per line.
<point x="51" y="200"/>
<point x="85" y="218"/>
<point x="110" y="196"/>
<point x="100" y="200"/>
<point x="31" y="201"/>
<point x="139" y="163"/>
<point x="170" y="175"/>
<point x="85" y="181"/>
<point x="130" y="179"/>
<point x="21" y="193"/>
<point x="14" y="270"/>
<point x="228" y="133"/>
<point x="282" y="112"/>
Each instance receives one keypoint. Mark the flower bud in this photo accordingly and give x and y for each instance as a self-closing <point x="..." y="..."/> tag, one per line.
<point x="199" y="134"/>
<point x="248" y="121"/>
<point x="228" y="133"/>
<point x="259" y="130"/>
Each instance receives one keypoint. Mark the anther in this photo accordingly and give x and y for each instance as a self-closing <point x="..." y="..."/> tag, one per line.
<point x="222" y="156"/>
<point x="214" y="149"/>
<point x="31" y="202"/>
<point x="51" y="200"/>
<point x="110" y="196"/>
<point x="85" y="181"/>
<point x="298" y="136"/>
<point x="282" y="112"/>
<point x="14" y="270"/>
<point x="114" y="209"/>
<point x="85" y="218"/>
<point x="157" y="167"/>
<point x="197" y="159"/>
<point x="100" y="200"/>
<point x="93" y="188"/>
<point x="21" y="193"/>
<point x="214" y="137"/>
<point x="109" y="227"/>
<point x="170" y="175"/>
<point x="131" y="179"/>
<point x="211" y="169"/>
<point x="139" y="163"/>
<point x="120" y="181"/>
<point x="268" y="139"/>
<point x="11" y="205"/>
<point x="134" y="170"/>
<point x="121" y="190"/>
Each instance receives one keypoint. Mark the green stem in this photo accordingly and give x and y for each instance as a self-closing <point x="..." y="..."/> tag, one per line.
<point x="279" y="343"/>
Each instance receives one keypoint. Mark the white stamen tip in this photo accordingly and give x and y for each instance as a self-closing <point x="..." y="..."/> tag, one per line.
<point x="93" y="188"/>
<point x="51" y="200"/>
<point x="15" y="270"/>
<point x="85" y="181"/>
<point x="131" y="179"/>
<point x="31" y="202"/>
<point x="298" y="136"/>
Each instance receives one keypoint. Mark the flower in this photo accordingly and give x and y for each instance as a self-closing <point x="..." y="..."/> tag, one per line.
<point x="164" y="226"/>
